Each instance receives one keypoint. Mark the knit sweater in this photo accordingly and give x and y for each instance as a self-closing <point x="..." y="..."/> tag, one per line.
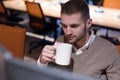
<point x="100" y="60"/>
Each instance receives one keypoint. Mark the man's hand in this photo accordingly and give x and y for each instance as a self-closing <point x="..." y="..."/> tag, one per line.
<point x="48" y="54"/>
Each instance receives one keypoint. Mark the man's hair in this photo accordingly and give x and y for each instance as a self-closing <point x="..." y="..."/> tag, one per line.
<point x="76" y="6"/>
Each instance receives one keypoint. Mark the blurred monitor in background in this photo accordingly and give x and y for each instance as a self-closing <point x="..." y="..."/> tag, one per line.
<point x="16" y="69"/>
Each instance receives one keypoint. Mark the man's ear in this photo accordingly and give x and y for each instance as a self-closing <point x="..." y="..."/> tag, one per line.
<point x="89" y="23"/>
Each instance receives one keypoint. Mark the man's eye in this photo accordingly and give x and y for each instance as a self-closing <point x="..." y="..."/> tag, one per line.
<point x="74" y="26"/>
<point x="64" y="26"/>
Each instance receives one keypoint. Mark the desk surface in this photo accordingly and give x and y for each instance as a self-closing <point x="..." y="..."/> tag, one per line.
<point x="109" y="18"/>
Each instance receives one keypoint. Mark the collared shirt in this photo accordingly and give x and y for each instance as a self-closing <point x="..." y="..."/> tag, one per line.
<point x="80" y="50"/>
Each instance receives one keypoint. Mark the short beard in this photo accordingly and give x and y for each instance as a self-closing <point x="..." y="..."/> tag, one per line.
<point x="83" y="35"/>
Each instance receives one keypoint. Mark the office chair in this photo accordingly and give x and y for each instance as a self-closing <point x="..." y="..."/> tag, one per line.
<point x="38" y="23"/>
<point x="6" y="18"/>
<point x="118" y="47"/>
<point x="3" y="12"/>
<point x="112" y="4"/>
<point x="13" y="39"/>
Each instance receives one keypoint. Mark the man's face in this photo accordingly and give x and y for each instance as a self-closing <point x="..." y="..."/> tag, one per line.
<point x="73" y="26"/>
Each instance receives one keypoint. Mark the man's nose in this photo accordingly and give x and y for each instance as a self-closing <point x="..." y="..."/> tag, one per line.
<point x="68" y="31"/>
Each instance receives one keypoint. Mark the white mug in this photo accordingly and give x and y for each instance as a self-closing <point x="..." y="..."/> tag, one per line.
<point x="63" y="54"/>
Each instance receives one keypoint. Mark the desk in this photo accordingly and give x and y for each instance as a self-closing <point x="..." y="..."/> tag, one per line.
<point x="49" y="9"/>
<point x="108" y="19"/>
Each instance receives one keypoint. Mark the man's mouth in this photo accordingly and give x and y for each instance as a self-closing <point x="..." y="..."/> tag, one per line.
<point x="70" y="38"/>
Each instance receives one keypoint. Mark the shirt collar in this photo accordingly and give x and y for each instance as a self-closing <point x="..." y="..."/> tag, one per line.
<point x="80" y="50"/>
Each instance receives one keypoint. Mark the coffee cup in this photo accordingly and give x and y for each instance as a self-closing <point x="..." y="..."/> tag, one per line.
<point x="63" y="54"/>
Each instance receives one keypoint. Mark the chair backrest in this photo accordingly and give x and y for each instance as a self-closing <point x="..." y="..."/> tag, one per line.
<point x="112" y="3"/>
<point x="13" y="39"/>
<point x="3" y="13"/>
<point x="1" y="7"/>
<point x="118" y="47"/>
<point x="37" y="19"/>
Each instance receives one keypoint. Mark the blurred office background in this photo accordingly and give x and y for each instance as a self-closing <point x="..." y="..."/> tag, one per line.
<point x="19" y="18"/>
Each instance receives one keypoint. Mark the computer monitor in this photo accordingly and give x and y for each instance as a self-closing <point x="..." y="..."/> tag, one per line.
<point x="3" y="54"/>
<point x="16" y="69"/>
<point x="2" y="70"/>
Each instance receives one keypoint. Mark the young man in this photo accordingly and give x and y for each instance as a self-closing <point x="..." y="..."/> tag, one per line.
<point x="92" y="55"/>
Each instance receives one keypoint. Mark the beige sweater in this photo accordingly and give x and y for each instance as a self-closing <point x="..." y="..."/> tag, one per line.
<point x="100" y="60"/>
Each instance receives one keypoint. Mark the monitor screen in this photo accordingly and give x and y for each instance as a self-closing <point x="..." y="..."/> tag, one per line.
<point x="16" y="69"/>
<point x="21" y="70"/>
<point x="3" y="54"/>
